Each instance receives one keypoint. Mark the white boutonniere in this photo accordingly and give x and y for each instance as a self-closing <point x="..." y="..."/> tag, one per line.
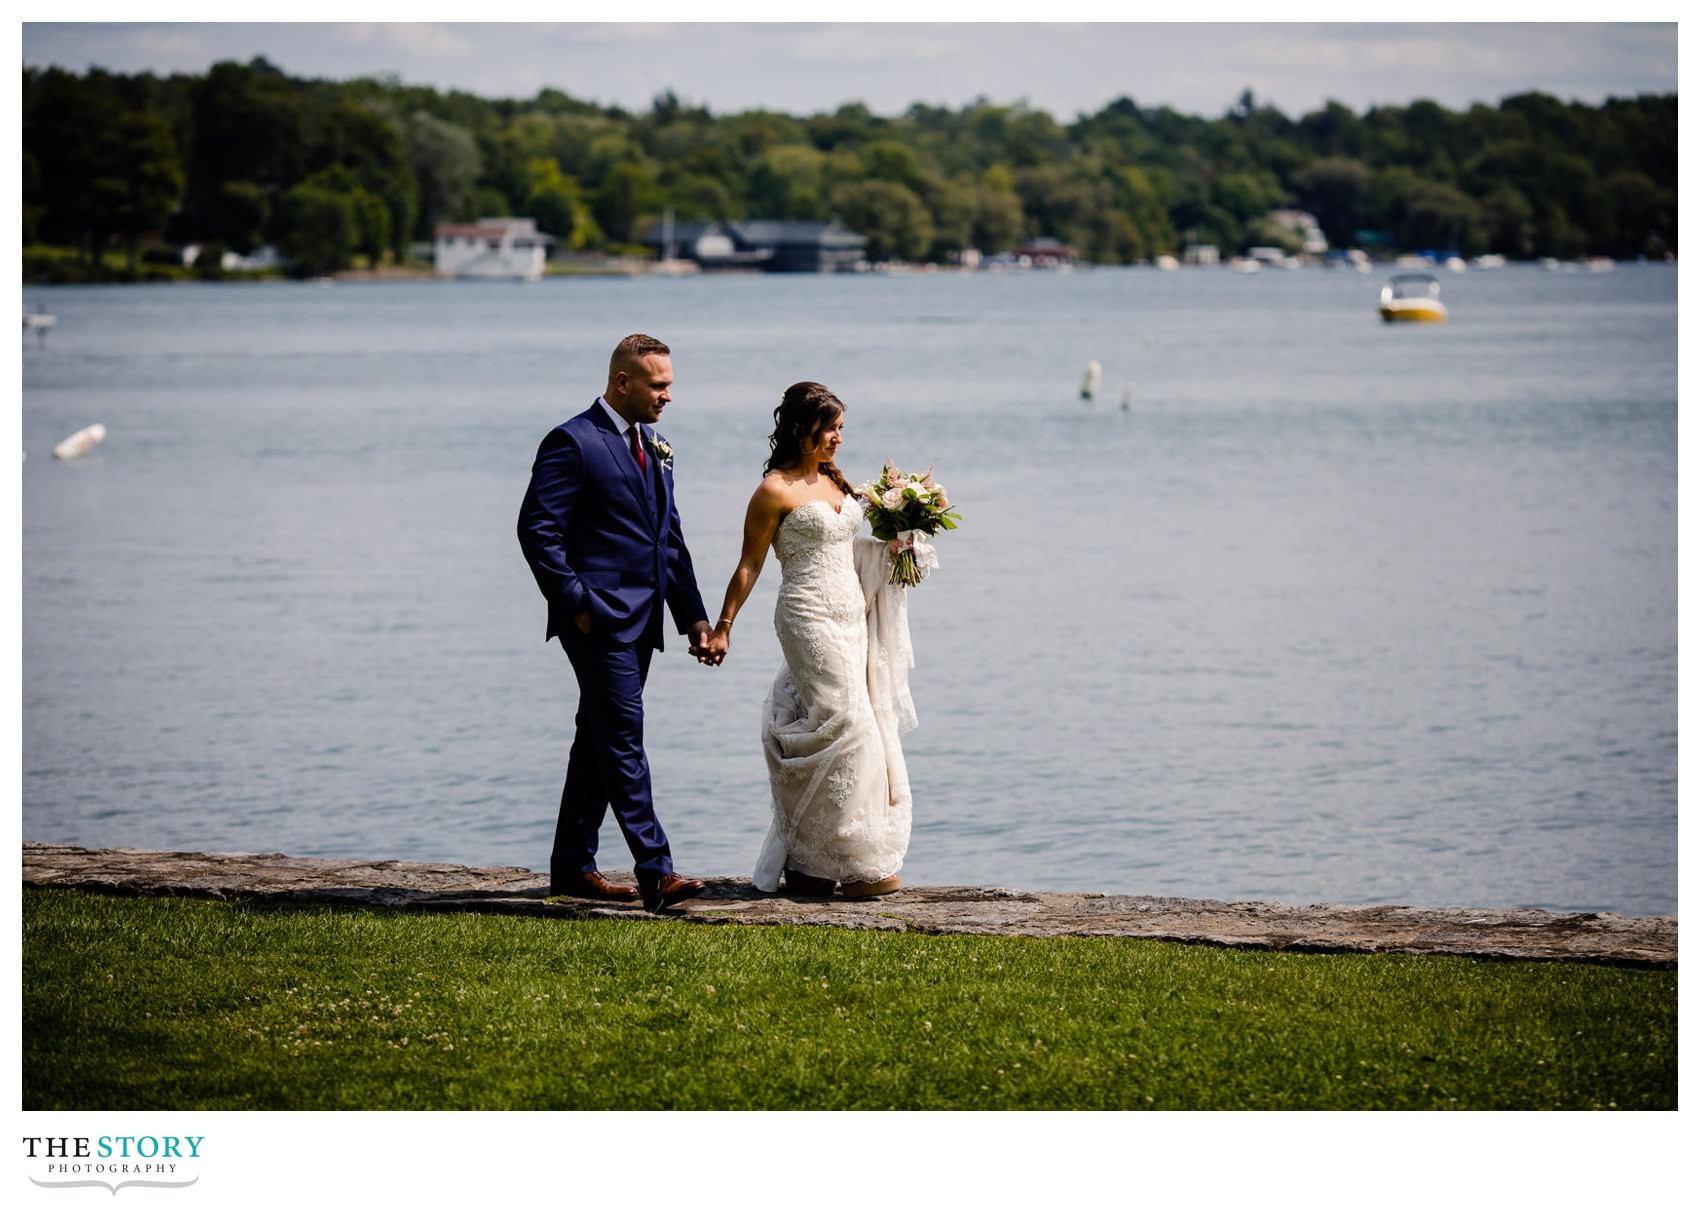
<point x="663" y="450"/>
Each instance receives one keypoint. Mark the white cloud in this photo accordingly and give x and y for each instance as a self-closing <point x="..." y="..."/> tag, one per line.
<point x="170" y="44"/>
<point x="803" y="68"/>
<point x="426" y="41"/>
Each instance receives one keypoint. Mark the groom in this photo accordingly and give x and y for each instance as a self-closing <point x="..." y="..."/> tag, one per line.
<point x="600" y="530"/>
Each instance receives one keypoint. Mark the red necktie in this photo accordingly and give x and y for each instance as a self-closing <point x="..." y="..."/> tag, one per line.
<point x="637" y="448"/>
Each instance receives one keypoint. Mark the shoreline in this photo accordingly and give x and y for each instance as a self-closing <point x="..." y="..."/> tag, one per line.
<point x="1503" y="934"/>
<point x="613" y="267"/>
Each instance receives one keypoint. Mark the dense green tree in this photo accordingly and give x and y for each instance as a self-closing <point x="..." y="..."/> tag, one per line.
<point x="1078" y="206"/>
<point x="445" y="163"/>
<point x="848" y="126"/>
<point x="70" y="186"/>
<point x="33" y="207"/>
<point x="1334" y="131"/>
<point x="1246" y="195"/>
<point x="373" y="148"/>
<point x="237" y="215"/>
<point x="212" y="158"/>
<point x="557" y="202"/>
<point x="629" y="197"/>
<point x="953" y="207"/>
<point x="370" y="214"/>
<point x="1440" y="217"/>
<point x="699" y="197"/>
<point x="97" y="166"/>
<point x="317" y="229"/>
<point x="150" y="178"/>
<point x="1333" y="189"/>
<point x="250" y="123"/>
<point x="788" y="182"/>
<point x="1198" y="220"/>
<point x="998" y="216"/>
<point x="485" y="202"/>
<point x="1510" y="222"/>
<point x="889" y="160"/>
<point x="1641" y="211"/>
<point x="1139" y="200"/>
<point x="896" y="222"/>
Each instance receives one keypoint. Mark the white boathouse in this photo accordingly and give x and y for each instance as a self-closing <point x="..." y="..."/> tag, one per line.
<point x="492" y="248"/>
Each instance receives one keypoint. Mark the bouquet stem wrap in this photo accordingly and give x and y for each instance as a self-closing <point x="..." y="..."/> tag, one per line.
<point x="914" y="560"/>
<point x="908" y="507"/>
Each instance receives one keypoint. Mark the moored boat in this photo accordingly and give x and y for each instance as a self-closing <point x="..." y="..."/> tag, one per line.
<point x="1412" y="298"/>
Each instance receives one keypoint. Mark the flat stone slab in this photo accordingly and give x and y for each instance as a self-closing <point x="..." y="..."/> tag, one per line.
<point x="1532" y="934"/>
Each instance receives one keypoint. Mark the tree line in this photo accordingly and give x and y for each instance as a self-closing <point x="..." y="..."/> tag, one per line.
<point x="337" y="172"/>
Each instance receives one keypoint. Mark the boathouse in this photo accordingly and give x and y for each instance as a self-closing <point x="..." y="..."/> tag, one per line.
<point x="771" y="245"/>
<point x="492" y="248"/>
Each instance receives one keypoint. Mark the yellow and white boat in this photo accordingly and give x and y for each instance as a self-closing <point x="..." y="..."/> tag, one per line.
<point x="1412" y="299"/>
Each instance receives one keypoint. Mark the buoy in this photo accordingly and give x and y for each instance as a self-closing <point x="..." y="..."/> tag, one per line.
<point x="1089" y="385"/>
<point x="81" y="442"/>
<point x="1127" y="397"/>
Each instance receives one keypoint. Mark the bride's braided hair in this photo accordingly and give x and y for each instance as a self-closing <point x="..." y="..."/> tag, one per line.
<point x="806" y="410"/>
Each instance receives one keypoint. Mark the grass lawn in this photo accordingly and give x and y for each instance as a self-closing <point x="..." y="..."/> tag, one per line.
<point x="187" y="1004"/>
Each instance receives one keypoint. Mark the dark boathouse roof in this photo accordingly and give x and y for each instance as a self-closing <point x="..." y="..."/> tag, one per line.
<point x="775" y="245"/>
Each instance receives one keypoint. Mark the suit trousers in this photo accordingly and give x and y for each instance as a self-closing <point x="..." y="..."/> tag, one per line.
<point x="607" y="767"/>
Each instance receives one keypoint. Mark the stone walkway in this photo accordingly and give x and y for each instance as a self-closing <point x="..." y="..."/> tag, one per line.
<point x="1648" y="942"/>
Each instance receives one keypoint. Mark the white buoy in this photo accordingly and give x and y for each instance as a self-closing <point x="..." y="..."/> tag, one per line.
<point x="81" y="442"/>
<point x="1127" y="397"/>
<point x="1089" y="384"/>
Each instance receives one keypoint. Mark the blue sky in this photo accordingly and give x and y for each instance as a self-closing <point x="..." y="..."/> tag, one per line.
<point x="1063" y="68"/>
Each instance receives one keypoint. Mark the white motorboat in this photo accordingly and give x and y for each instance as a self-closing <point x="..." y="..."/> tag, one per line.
<point x="1412" y="299"/>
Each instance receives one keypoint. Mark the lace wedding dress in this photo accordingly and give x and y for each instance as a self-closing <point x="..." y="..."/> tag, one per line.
<point x="832" y="722"/>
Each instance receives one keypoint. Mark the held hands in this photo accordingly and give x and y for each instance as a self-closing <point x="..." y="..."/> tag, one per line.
<point x="709" y="646"/>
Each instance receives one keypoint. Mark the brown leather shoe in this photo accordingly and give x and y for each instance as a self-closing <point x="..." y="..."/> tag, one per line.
<point x="871" y="889"/>
<point x="670" y="890"/>
<point x="593" y="885"/>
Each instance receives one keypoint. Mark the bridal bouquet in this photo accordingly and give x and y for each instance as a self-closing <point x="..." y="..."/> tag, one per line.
<point x="899" y="501"/>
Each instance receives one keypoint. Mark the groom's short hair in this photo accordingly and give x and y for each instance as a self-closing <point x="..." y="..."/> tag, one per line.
<point x="633" y="350"/>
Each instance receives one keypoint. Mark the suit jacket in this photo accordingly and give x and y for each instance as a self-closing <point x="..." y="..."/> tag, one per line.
<point x="600" y="534"/>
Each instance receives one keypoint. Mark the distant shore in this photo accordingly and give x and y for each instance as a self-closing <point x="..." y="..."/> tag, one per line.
<point x="62" y="269"/>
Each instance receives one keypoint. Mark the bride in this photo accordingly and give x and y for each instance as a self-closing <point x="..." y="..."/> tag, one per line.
<point x="831" y="723"/>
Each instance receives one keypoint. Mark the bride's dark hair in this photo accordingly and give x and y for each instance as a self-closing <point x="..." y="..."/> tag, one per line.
<point x="805" y="411"/>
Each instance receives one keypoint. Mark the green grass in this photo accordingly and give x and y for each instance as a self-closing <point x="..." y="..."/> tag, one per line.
<point x="167" y="1003"/>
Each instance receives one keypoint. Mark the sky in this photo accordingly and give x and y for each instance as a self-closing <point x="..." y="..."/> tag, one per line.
<point x="1063" y="68"/>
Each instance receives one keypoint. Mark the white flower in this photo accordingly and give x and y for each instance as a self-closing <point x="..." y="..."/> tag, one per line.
<point x="893" y="497"/>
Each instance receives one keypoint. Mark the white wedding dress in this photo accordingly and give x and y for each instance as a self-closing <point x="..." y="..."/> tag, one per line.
<point x="832" y="723"/>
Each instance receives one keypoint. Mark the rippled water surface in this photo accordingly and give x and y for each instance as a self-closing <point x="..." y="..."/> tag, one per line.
<point x="1330" y="611"/>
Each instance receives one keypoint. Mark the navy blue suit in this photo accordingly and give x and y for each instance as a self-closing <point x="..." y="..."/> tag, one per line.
<point x="602" y="535"/>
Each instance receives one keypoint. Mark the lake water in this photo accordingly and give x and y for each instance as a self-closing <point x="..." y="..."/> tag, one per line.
<point x="1332" y="611"/>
